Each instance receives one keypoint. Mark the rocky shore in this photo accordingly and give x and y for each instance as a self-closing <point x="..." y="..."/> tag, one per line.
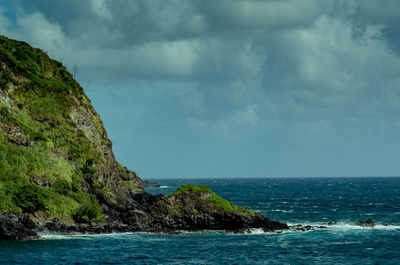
<point x="193" y="210"/>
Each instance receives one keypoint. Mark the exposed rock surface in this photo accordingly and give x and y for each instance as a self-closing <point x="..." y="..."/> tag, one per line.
<point x="13" y="227"/>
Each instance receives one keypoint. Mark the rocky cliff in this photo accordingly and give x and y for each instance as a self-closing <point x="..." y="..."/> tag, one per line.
<point x="58" y="171"/>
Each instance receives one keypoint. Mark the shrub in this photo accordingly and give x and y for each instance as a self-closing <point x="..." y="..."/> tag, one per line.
<point x="76" y="186"/>
<point x="89" y="212"/>
<point x="30" y="197"/>
<point x="88" y="170"/>
<point x="62" y="186"/>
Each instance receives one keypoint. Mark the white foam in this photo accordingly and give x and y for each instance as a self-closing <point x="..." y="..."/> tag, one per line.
<point x="255" y="231"/>
<point x="387" y="227"/>
<point x="348" y="226"/>
<point x="282" y="211"/>
<point x="81" y="235"/>
<point x="163" y="187"/>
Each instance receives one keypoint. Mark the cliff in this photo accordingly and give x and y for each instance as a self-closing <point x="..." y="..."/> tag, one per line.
<point x="58" y="171"/>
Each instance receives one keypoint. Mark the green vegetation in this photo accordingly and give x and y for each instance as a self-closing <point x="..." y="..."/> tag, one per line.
<point x="89" y="212"/>
<point x="63" y="187"/>
<point x="30" y="197"/>
<point x="213" y="199"/>
<point x="44" y="157"/>
<point x="187" y="188"/>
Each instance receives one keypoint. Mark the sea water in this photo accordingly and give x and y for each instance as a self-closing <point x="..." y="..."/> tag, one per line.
<point x="339" y="202"/>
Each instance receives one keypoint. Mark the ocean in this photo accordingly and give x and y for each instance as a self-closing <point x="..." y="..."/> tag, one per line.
<point x="337" y="203"/>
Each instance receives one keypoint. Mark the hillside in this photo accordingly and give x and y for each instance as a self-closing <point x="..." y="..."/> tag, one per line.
<point x="52" y="141"/>
<point x="57" y="168"/>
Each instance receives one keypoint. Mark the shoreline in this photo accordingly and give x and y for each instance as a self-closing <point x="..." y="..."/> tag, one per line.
<point x="293" y="228"/>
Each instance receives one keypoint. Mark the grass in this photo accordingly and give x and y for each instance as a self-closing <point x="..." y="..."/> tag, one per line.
<point x="42" y="96"/>
<point x="188" y="188"/>
<point x="216" y="201"/>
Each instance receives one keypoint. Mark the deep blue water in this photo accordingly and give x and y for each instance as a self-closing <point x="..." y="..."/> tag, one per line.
<point x="343" y="201"/>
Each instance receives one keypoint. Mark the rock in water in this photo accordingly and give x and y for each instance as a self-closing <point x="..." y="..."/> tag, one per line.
<point x="196" y="207"/>
<point x="366" y="223"/>
<point x="150" y="184"/>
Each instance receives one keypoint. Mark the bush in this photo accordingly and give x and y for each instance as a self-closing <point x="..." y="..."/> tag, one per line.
<point x="30" y="198"/>
<point x="89" y="212"/>
<point x="76" y="186"/>
<point x="88" y="170"/>
<point x="62" y="186"/>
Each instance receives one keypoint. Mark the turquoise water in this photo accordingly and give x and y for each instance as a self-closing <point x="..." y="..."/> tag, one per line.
<point x="342" y="201"/>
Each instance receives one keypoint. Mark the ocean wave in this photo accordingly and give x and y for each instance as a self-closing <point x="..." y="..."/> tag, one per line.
<point x="282" y="211"/>
<point x="344" y="226"/>
<point x="293" y="228"/>
<point x="45" y="236"/>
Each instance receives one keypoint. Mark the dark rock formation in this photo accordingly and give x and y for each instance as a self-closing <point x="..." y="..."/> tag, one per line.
<point x="366" y="223"/>
<point x="14" y="227"/>
<point x="150" y="184"/>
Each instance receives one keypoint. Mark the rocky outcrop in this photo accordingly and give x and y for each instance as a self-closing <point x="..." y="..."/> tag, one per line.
<point x="13" y="227"/>
<point x="150" y="184"/>
<point x="191" y="207"/>
<point x="366" y="223"/>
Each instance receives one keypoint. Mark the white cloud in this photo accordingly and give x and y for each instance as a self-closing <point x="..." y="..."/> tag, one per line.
<point x="290" y="58"/>
<point x="247" y="116"/>
<point x="37" y="30"/>
<point x="100" y="8"/>
<point x="334" y="75"/>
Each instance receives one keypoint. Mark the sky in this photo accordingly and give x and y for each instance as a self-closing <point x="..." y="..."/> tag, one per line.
<point x="232" y="88"/>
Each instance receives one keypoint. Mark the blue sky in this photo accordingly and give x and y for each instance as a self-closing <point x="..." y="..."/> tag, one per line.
<point x="235" y="88"/>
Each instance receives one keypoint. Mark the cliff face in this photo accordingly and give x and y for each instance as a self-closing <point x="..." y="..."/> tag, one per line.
<point x="58" y="171"/>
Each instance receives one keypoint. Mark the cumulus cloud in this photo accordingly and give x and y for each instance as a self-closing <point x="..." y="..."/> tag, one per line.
<point x="301" y="56"/>
<point x="42" y="33"/>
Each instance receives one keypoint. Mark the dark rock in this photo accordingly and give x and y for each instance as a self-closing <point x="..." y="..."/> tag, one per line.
<point x="150" y="184"/>
<point x="366" y="223"/>
<point x="12" y="228"/>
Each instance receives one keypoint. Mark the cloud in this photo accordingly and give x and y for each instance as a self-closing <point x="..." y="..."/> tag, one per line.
<point x="247" y="116"/>
<point x="296" y="58"/>
<point x="293" y="59"/>
<point x="40" y="32"/>
<point x="100" y="8"/>
<point x="295" y="76"/>
<point x="4" y="22"/>
<point x="255" y="15"/>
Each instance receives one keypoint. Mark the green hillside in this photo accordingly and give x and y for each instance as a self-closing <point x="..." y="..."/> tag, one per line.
<point x="55" y="156"/>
